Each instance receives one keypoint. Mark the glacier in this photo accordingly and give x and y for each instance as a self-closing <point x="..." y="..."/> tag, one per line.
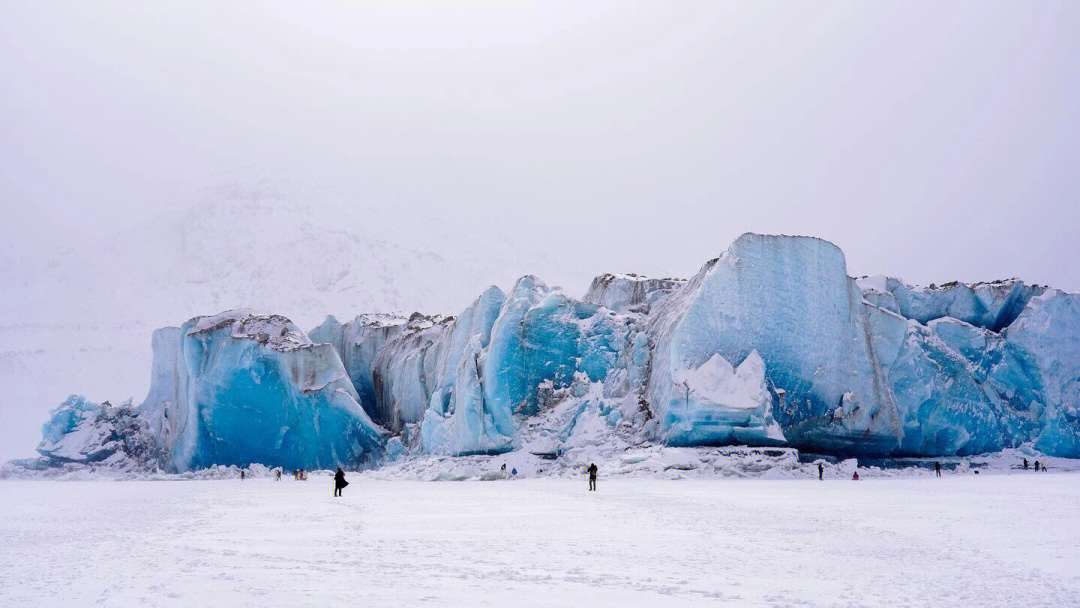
<point x="791" y="300"/>
<point x="240" y="388"/>
<point x="771" y="344"/>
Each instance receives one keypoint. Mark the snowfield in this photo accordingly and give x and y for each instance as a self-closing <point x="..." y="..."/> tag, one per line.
<point x="964" y="540"/>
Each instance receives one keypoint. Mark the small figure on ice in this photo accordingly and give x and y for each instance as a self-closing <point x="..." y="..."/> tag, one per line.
<point x="855" y="476"/>
<point x="1025" y="464"/>
<point x="1036" y="466"/>
<point x="592" y="470"/>
<point x="241" y="474"/>
<point x="820" y="471"/>
<point x="339" y="482"/>
<point x="937" y="468"/>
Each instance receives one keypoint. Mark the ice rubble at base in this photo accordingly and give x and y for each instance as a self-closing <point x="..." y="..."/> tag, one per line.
<point x="825" y="364"/>
<point x="82" y="432"/>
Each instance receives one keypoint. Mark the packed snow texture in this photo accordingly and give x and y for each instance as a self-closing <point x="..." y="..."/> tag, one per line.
<point x="771" y="344"/>
<point x="963" y="540"/>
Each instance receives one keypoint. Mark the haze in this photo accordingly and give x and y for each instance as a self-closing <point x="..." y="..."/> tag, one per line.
<point x="931" y="141"/>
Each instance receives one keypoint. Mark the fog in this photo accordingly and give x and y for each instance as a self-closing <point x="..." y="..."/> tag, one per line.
<point x="931" y="141"/>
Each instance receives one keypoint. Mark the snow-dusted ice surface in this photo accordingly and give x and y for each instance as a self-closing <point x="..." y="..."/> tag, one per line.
<point x="963" y="540"/>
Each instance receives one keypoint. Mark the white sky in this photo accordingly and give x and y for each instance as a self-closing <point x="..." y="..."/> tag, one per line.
<point x="929" y="140"/>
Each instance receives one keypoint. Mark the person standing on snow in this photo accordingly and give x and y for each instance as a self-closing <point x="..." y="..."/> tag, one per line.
<point x="937" y="468"/>
<point x="593" y="470"/>
<point x="820" y="472"/>
<point x="241" y="474"/>
<point x="339" y="482"/>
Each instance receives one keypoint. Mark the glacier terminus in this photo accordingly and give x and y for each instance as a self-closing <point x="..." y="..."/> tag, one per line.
<point x="771" y="344"/>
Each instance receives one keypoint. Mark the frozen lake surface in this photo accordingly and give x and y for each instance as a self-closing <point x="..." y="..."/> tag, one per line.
<point x="964" y="540"/>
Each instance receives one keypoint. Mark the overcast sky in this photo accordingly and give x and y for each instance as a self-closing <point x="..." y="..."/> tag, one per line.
<point x="930" y="140"/>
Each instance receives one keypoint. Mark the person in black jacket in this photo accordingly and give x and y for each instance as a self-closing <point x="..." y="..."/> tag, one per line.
<point x="820" y="471"/>
<point x="339" y="482"/>
<point x="593" y="470"/>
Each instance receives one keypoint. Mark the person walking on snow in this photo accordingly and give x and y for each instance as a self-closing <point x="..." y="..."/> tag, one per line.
<point x="241" y="474"/>
<point x="937" y="468"/>
<point x="820" y="472"/>
<point x="592" y="476"/>
<point x="339" y="482"/>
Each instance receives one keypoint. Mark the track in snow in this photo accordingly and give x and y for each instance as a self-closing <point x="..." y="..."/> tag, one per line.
<point x="990" y="540"/>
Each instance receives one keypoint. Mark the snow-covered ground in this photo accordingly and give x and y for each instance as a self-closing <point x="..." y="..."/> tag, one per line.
<point x="1005" y="539"/>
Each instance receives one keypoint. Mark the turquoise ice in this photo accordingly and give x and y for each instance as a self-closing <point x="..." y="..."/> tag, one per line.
<point x="240" y="388"/>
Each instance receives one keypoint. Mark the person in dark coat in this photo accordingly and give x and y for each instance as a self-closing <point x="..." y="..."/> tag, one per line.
<point x="241" y="474"/>
<point x="937" y="468"/>
<point x="820" y="471"/>
<point x="339" y="482"/>
<point x="593" y="470"/>
<point x="1025" y="464"/>
<point x="1036" y="466"/>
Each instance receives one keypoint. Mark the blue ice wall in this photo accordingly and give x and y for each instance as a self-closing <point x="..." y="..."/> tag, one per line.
<point x="1046" y="337"/>
<point x="770" y="344"/>
<point x="358" y="343"/>
<point x="239" y="388"/>
<point x="791" y="300"/>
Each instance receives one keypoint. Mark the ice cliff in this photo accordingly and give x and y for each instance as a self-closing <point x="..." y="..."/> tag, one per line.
<point x="771" y="344"/>
<point x="240" y="388"/>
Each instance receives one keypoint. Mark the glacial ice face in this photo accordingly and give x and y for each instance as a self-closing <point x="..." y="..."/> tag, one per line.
<point x="401" y="369"/>
<point x="953" y="398"/>
<point x="239" y="388"/>
<point x="992" y="305"/>
<point x="1047" y="336"/>
<point x="625" y="292"/>
<point x="824" y="363"/>
<point x="470" y="424"/>
<point x="964" y="389"/>
<point x="358" y="342"/>
<point x="790" y="299"/>
<point x="459" y="420"/>
<point x="504" y="363"/>
<point x="475" y="323"/>
<point x="473" y="376"/>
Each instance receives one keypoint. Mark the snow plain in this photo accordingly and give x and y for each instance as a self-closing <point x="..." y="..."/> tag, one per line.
<point x="963" y="540"/>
